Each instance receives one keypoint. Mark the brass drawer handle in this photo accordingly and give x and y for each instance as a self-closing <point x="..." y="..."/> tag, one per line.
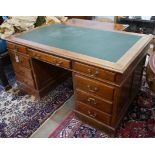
<point x="93" y="74"/>
<point x="57" y="63"/>
<point x="93" y="90"/>
<point x="93" y="115"/>
<point x="91" y="101"/>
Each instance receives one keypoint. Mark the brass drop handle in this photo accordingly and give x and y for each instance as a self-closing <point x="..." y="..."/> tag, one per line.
<point x="93" y="74"/>
<point x="93" y="90"/>
<point x="57" y="63"/>
<point x="91" y="100"/>
<point x="93" y="115"/>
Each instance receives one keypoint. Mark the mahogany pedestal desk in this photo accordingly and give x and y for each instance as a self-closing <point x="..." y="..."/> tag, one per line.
<point x="106" y="67"/>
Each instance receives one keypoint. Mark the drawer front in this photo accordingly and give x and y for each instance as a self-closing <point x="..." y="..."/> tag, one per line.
<point x="94" y="87"/>
<point x="21" y="59"/>
<point x="94" y="101"/>
<point x="94" y="72"/>
<point x="17" y="48"/>
<point x="22" y="49"/>
<point x="93" y="113"/>
<point x="10" y="45"/>
<point x="60" y="62"/>
<point x="25" y="81"/>
<point x="25" y="72"/>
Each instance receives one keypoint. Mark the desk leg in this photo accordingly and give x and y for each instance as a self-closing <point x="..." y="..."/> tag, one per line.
<point x="3" y="78"/>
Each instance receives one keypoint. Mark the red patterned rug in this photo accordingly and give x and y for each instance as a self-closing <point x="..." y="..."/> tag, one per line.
<point x="139" y="122"/>
<point x="71" y="127"/>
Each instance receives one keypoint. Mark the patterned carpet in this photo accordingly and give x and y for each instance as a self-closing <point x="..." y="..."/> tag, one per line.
<point x="139" y="122"/>
<point x="72" y="127"/>
<point x="21" y="114"/>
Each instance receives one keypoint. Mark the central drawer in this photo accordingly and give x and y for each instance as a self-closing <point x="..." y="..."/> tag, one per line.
<point x="57" y="61"/>
<point x="94" y="87"/>
<point x="93" y="113"/>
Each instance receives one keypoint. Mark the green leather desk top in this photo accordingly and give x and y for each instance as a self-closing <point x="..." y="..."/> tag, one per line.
<point x="106" y="45"/>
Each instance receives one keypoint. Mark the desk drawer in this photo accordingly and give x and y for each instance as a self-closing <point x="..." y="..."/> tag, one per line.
<point x="17" y="48"/>
<point x="94" y="72"/>
<point x="10" y="45"/>
<point x="57" y="61"/>
<point x="25" y="72"/>
<point x="94" y="87"/>
<point x="22" y="49"/>
<point x="94" y="101"/>
<point x="25" y="80"/>
<point x="21" y="59"/>
<point x="93" y="113"/>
